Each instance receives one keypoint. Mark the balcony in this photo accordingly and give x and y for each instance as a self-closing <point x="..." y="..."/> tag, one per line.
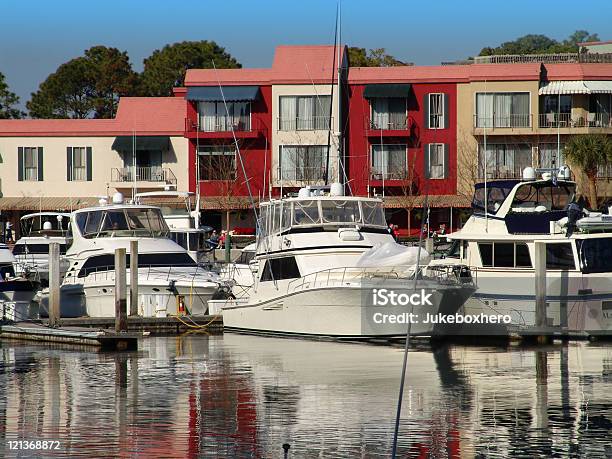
<point x="503" y="124"/>
<point x="392" y="126"/>
<point x="313" y="123"/>
<point x="151" y="176"/>
<point x="224" y="127"/>
<point x="591" y="121"/>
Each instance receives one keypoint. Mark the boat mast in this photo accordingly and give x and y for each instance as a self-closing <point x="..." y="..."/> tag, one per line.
<point x="331" y="105"/>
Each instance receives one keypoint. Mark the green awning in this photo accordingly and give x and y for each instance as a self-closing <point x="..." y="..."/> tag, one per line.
<point x="141" y="142"/>
<point x="387" y="90"/>
<point x="230" y="93"/>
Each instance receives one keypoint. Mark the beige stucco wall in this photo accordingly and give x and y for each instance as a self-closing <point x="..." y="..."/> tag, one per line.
<point x="104" y="159"/>
<point x="303" y="137"/>
<point x="468" y="135"/>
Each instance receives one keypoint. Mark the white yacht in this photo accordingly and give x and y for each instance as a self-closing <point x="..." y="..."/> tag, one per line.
<point x="31" y="251"/>
<point x="16" y="292"/>
<point x="497" y="243"/>
<point x="169" y="281"/>
<point x="320" y="257"/>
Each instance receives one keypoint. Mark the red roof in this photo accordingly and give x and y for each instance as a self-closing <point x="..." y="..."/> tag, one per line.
<point x="291" y="65"/>
<point x="578" y="71"/>
<point x="445" y="73"/>
<point x="143" y="115"/>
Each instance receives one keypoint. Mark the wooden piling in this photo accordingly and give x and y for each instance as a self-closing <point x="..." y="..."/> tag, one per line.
<point x="540" y="284"/>
<point x="54" y="284"/>
<point x="120" y="291"/>
<point x="133" y="278"/>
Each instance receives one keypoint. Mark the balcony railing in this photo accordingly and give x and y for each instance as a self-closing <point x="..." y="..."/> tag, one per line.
<point x="222" y="124"/>
<point x="566" y="120"/>
<point x="522" y="120"/>
<point x="387" y="123"/>
<point x="302" y="174"/>
<point x="143" y="174"/>
<point x="314" y="123"/>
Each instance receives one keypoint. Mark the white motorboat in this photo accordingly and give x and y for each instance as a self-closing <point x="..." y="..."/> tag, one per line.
<point x="497" y="243"/>
<point x="169" y="280"/>
<point x="320" y="260"/>
<point x="31" y="251"/>
<point x="16" y="292"/>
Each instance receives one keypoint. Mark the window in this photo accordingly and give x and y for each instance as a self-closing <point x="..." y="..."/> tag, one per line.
<point x="551" y="155"/>
<point x="388" y="113"/>
<point x="436" y="161"/>
<point x="503" y="160"/>
<point x="504" y="255"/>
<point x="304" y="163"/>
<point x="215" y="118"/>
<point x="595" y="255"/>
<point x="559" y="256"/>
<point x="436" y="111"/>
<point x="389" y="162"/>
<point x="100" y="263"/>
<point x="507" y="109"/>
<point x="280" y="268"/>
<point x="217" y="162"/>
<point x="78" y="162"/>
<point x="304" y="113"/>
<point x="30" y="163"/>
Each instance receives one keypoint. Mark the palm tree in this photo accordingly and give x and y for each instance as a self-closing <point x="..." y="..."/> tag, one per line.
<point x="588" y="152"/>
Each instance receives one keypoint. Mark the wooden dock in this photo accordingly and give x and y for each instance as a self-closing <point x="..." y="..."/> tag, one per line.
<point x="104" y="339"/>
<point x="173" y="324"/>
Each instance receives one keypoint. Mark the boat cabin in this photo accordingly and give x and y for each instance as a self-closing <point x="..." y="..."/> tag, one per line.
<point x="120" y="221"/>
<point x="44" y="224"/>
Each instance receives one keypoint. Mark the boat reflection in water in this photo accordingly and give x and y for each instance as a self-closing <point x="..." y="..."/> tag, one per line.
<point x="244" y="396"/>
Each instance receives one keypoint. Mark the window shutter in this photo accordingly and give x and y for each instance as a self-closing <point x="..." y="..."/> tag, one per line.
<point x="20" y="164"/>
<point x="69" y="163"/>
<point x="446" y="112"/>
<point x="446" y="160"/>
<point x="40" y="164"/>
<point x="89" y="164"/>
<point x="426" y="112"/>
<point x="426" y="160"/>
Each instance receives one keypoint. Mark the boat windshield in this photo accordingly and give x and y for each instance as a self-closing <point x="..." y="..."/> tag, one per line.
<point x="542" y="195"/>
<point x="190" y="240"/>
<point x="595" y="255"/>
<point x="496" y="193"/>
<point x="123" y="222"/>
<point x="39" y="225"/>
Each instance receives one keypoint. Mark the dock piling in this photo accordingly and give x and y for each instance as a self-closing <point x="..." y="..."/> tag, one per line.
<point x="133" y="278"/>
<point x="54" y="284"/>
<point x="120" y="291"/>
<point x="540" y="283"/>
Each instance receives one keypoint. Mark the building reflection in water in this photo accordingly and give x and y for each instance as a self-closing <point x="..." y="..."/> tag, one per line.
<point x="244" y="396"/>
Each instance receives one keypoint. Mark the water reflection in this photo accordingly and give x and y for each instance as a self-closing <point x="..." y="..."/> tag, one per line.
<point x="244" y="396"/>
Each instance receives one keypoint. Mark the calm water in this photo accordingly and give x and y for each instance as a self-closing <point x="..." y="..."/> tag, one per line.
<point x="244" y="396"/>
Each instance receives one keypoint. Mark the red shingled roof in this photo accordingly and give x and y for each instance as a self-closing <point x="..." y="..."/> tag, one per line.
<point x="143" y="115"/>
<point x="291" y="65"/>
<point x="578" y="71"/>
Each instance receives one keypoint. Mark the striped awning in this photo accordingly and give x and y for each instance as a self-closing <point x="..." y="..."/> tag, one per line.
<point x="576" y="87"/>
<point x="62" y="204"/>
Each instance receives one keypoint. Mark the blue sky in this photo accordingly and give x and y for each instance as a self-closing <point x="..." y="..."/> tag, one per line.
<point x="38" y="35"/>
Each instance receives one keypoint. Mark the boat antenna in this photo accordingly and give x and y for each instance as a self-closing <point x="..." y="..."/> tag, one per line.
<point x="326" y="177"/>
<point x="246" y="179"/>
<point x="196" y="219"/>
<point x="416" y="277"/>
<point x="486" y="192"/>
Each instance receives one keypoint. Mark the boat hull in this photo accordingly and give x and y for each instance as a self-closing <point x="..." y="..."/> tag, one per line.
<point x="335" y="312"/>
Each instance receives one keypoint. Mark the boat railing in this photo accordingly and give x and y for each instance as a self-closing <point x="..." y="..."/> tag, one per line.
<point x="348" y="275"/>
<point x="168" y="273"/>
